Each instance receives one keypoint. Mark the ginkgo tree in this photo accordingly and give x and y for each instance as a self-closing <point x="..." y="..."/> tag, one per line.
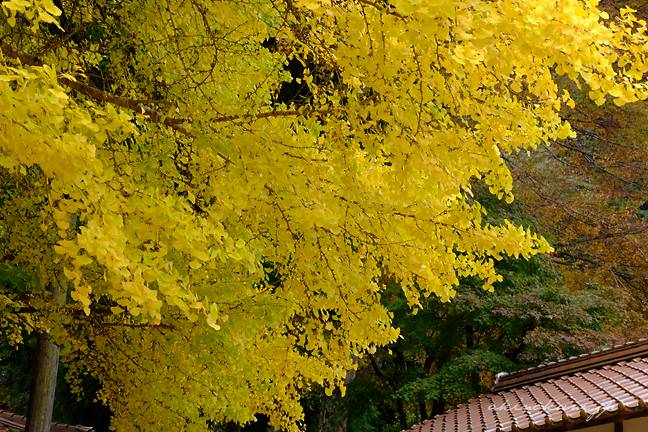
<point x="155" y="126"/>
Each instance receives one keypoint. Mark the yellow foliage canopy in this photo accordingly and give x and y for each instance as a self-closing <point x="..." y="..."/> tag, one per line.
<point x="153" y="123"/>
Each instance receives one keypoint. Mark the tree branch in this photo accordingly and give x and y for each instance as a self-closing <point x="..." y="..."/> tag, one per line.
<point x="388" y="9"/>
<point x="374" y="365"/>
<point x="268" y="114"/>
<point x="287" y="113"/>
<point x="93" y="92"/>
<point x="155" y="116"/>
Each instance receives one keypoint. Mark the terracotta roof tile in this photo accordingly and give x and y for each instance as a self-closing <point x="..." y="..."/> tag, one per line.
<point x="16" y="423"/>
<point x="568" y="400"/>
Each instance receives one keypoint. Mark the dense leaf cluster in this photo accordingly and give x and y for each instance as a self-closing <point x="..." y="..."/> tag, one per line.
<point x="149" y="160"/>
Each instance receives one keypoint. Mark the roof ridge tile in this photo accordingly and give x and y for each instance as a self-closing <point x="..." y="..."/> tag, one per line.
<point x="575" y="363"/>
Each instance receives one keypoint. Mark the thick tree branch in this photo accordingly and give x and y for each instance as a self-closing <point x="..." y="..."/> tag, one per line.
<point x="155" y="116"/>
<point x="95" y="93"/>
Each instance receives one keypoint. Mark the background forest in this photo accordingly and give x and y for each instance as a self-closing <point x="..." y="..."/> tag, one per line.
<point x="587" y="195"/>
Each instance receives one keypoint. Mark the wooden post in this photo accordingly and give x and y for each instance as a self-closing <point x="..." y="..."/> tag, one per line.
<point x="43" y="386"/>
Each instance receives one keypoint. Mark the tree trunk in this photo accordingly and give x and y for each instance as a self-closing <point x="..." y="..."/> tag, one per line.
<point x="333" y="414"/>
<point x="423" y="411"/>
<point x="402" y="417"/>
<point x="43" y="386"/>
<point x="226" y="427"/>
<point x="438" y="407"/>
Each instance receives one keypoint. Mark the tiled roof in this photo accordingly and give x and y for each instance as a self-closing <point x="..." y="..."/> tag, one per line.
<point x="16" y="423"/>
<point x="572" y="365"/>
<point x="592" y="396"/>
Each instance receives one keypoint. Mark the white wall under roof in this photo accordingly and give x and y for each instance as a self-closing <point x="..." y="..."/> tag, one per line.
<point x="634" y="425"/>
<point x="601" y="428"/>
